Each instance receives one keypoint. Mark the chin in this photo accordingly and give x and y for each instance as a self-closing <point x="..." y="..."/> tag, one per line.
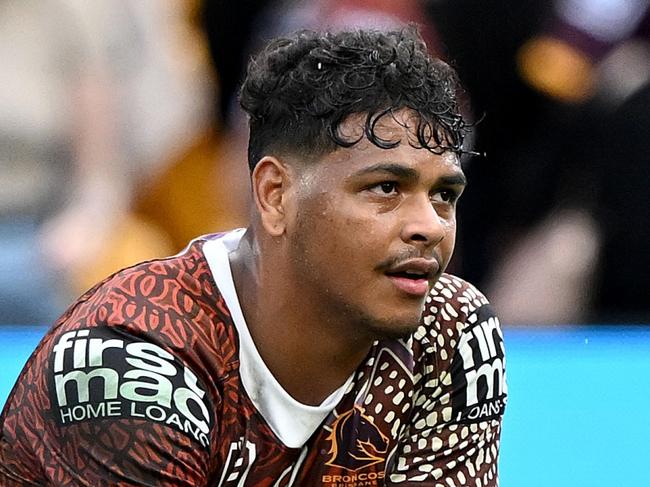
<point x="394" y="328"/>
<point x="383" y="319"/>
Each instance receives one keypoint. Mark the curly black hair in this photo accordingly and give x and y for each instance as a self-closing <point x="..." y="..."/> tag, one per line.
<point x="300" y="89"/>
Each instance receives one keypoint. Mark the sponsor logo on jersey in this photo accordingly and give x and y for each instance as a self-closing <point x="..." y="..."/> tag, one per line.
<point x="99" y="373"/>
<point x="356" y="444"/>
<point x="479" y="370"/>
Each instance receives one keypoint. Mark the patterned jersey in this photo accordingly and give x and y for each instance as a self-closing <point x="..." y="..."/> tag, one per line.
<point x="152" y="378"/>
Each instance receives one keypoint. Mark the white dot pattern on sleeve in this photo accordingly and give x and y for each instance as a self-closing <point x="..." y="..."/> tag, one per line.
<point x="432" y="446"/>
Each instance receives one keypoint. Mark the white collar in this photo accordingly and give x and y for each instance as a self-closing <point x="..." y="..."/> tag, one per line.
<point x="293" y="422"/>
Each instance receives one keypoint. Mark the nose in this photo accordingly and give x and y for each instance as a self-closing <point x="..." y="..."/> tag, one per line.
<point x="422" y="226"/>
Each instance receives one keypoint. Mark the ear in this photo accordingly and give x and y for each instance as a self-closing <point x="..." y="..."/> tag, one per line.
<point x="271" y="180"/>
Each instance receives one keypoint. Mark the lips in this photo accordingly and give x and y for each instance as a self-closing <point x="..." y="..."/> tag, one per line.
<point x="413" y="276"/>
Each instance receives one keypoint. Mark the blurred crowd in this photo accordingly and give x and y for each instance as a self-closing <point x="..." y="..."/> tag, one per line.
<point x="121" y="139"/>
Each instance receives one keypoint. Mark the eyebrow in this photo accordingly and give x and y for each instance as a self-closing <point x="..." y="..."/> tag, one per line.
<point x="457" y="179"/>
<point x="391" y="168"/>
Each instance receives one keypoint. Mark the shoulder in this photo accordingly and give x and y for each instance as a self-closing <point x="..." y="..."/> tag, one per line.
<point x="158" y="281"/>
<point x="453" y="297"/>
<point x="453" y="306"/>
<point x="460" y="338"/>
<point x="173" y="302"/>
<point x="150" y="296"/>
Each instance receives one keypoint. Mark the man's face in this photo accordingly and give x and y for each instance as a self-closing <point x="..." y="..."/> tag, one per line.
<point x="373" y="229"/>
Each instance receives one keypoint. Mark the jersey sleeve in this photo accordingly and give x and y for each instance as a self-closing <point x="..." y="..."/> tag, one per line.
<point x="123" y="391"/>
<point x="99" y="406"/>
<point x="453" y="436"/>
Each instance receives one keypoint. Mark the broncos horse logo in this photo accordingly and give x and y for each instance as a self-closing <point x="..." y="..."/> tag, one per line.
<point x="356" y="441"/>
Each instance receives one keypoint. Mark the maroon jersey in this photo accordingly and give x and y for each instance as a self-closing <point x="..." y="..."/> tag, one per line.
<point x="152" y="378"/>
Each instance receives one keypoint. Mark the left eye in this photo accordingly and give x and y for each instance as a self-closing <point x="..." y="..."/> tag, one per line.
<point x="444" y="196"/>
<point x="384" y="188"/>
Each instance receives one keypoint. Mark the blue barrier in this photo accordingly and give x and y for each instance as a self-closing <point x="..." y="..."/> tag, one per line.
<point x="16" y="345"/>
<point x="577" y="416"/>
<point x="577" y="413"/>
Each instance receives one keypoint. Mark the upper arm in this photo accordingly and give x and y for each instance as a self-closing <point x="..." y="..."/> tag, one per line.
<point x="98" y="406"/>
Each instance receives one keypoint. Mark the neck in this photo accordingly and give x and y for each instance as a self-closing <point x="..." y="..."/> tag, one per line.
<point x="308" y="351"/>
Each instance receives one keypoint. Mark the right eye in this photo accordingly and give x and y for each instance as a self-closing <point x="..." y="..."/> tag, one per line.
<point x="385" y="188"/>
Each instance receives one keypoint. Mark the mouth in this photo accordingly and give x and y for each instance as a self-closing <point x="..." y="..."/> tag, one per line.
<point x="414" y="276"/>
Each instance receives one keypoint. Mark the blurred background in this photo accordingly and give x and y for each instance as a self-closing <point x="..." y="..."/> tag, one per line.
<point x="121" y="140"/>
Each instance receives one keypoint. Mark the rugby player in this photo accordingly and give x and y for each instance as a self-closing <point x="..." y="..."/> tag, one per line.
<point x="321" y="346"/>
